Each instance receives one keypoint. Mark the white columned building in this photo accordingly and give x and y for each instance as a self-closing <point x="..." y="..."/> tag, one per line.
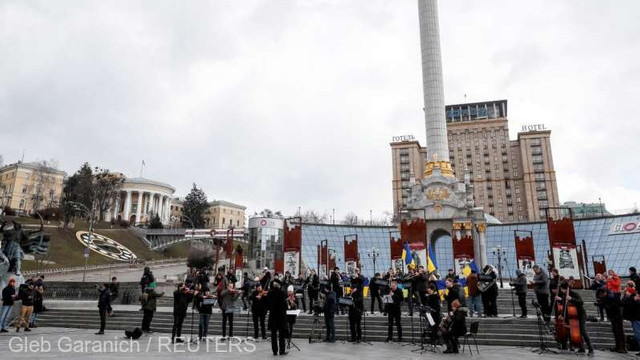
<point x="140" y="199"/>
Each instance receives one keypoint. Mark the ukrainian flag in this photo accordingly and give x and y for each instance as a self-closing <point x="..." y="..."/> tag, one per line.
<point x="431" y="261"/>
<point x="471" y="266"/>
<point x="406" y="255"/>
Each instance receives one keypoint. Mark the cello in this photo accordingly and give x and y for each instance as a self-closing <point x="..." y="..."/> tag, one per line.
<point x="561" y="332"/>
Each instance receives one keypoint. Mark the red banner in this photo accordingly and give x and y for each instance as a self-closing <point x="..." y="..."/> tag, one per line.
<point x="463" y="248"/>
<point x="599" y="265"/>
<point x="278" y="265"/>
<point x="415" y="233"/>
<point x="239" y="261"/>
<point x="524" y="248"/>
<point x="292" y="237"/>
<point x="229" y="248"/>
<point x="351" y="249"/>
<point x="396" y="248"/>
<point x="562" y="240"/>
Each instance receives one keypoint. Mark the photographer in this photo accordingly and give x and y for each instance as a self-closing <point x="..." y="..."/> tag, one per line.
<point x="104" y="303"/>
<point x="27" y="296"/>
<point x="114" y="290"/>
<point x="182" y="297"/>
<point x="149" y="305"/>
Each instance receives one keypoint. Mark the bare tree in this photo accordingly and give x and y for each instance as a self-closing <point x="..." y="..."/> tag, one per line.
<point x="350" y="219"/>
<point x="106" y="188"/>
<point x="314" y="217"/>
<point x="43" y="185"/>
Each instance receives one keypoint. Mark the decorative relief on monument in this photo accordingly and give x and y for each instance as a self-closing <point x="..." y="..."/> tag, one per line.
<point x="439" y="193"/>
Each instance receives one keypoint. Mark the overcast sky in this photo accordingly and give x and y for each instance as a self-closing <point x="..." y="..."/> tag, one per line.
<point x="280" y="103"/>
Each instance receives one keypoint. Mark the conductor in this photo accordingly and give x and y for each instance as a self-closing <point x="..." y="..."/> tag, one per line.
<point x="277" y="300"/>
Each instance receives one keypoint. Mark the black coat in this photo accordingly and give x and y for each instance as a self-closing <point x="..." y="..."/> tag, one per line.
<point x="636" y="279"/>
<point x="452" y="295"/>
<point x="314" y="284"/>
<point x="398" y="297"/>
<point x="330" y="304"/>
<point x="373" y="287"/>
<point x="335" y="284"/>
<point x="7" y="295"/>
<point x="181" y="301"/>
<point x="459" y="323"/>
<point x="104" y="300"/>
<point x="258" y="306"/>
<point x="277" y="303"/>
<point x="631" y="308"/>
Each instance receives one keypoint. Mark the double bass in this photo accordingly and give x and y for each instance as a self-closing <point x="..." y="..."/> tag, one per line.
<point x="568" y="322"/>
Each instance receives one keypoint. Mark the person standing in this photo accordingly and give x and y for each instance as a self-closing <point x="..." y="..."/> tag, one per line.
<point x="490" y="293"/>
<point x="613" y="282"/>
<point x="146" y="279"/>
<point x="520" y="287"/>
<point x="313" y="287"/>
<point x="246" y="289"/>
<point x="613" y="306"/>
<point x="554" y="283"/>
<point x="330" y="303"/>
<point x="336" y="279"/>
<point x="394" y="311"/>
<point x="541" y="289"/>
<point x="292" y="304"/>
<point x="598" y="283"/>
<point x="104" y="303"/>
<point x="633" y="276"/>
<point x="631" y="311"/>
<point x="114" y="290"/>
<point x="231" y="276"/>
<point x="149" y="306"/>
<point x="182" y="297"/>
<point x="355" y="310"/>
<point x="38" y="303"/>
<point x="302" y="284"/>
<point x="8" y="298"/>
<point x="573" y="298"/>
<point x="204" y="304"/>
<point x="27" y="296"/>
<point x="420" y="285"/>
<point x="475" y="300"/>
<point x="277" y="301"/>
<point x="230" y="298"/>
<point x="259" y="311"/>
<point x="374" y="289"/>
<point x="453" y="293"/>
<point x="220" y="283"/>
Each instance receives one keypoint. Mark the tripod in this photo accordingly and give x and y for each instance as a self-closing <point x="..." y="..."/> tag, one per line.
<point x="513" y="304"/>
<point x="542" y="346"/>
<point x="290" y="334"/>
<point x="364" y="327"/>
<point x="314" y="327"/>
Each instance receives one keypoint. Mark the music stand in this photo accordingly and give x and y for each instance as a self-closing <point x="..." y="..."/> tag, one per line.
<point x="293" y="313"/>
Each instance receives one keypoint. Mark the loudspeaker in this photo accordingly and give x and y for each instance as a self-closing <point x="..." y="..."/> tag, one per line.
<point x="135" y="334"/>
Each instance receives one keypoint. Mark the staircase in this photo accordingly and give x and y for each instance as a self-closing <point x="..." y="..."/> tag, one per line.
<point x="492" y="331"/>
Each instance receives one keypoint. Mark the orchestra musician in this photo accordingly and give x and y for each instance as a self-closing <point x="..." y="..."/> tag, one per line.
<point x="287" y="280"/>
<point x="277" y="300"/>
<point x="259" y="310"/>
<point x="540" y="284"/>
<point x="230" y="298"/>
<point x="420" y="285"/>
<point x="433" y="301"/>
<point x="330" y="302"/>
<point x="374" y="289"/>
<point x="570" y="297"/>
<point x="355" y="310"/>
<point x="292" y="304"/>
<point x="303" y="284"/>
<point x="313" y="287"/>
<point x="336" y="287"/>
<point x="394" y="311"/>
<point x="554" y="282"/>
<point x="182" y="297"/>
<point x="265" y="280"/>
<point x="489" y="289"/>
<point x="453" y="327"/>
<point x="205" y="308"/>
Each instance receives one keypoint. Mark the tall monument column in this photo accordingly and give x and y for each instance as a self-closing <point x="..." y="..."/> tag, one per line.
<point x="433" y="89"/>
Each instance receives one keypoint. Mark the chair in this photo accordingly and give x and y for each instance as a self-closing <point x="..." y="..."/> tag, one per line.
<point x="473" y="331"/>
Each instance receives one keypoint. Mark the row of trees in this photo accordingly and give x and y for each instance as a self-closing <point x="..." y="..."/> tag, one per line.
<point x="96" y="188"/>
<point x="315" y="217"/>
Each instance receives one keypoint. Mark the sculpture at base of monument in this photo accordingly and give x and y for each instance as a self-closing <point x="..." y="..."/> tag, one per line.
<point x="16" y="242"/>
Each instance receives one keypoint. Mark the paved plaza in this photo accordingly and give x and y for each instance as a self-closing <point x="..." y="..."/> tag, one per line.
<point x="52" y="343"/>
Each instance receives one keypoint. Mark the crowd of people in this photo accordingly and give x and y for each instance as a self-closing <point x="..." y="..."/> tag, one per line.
<point x="274" y="296"/>
<point x="31" y="296"/>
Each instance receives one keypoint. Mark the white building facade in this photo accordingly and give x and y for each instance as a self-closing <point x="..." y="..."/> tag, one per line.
<point x="140" y="199"/>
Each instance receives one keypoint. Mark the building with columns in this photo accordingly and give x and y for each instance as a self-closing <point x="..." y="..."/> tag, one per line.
<point x="140" y="199"/>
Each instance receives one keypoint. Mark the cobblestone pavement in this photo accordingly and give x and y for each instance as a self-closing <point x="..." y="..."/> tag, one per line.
<point x="51" y="343"/>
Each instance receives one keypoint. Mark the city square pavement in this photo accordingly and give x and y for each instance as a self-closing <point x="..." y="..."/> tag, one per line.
<point x="47" y="343"/>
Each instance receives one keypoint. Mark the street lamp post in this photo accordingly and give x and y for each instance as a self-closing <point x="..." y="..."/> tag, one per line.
<point x="81" y="207"/>
<point x="500" y="253"/>
<point x="374" y="254"/>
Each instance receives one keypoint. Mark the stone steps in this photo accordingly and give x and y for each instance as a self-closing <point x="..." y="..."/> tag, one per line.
<point x="501" y="331"/>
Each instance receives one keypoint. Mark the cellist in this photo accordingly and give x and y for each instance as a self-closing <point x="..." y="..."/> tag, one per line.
<point x="569" y="298"/>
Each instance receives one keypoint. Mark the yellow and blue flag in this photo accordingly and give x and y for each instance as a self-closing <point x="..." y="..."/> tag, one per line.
<point x="431" y="261"/>
<point x="406" y="254"/>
